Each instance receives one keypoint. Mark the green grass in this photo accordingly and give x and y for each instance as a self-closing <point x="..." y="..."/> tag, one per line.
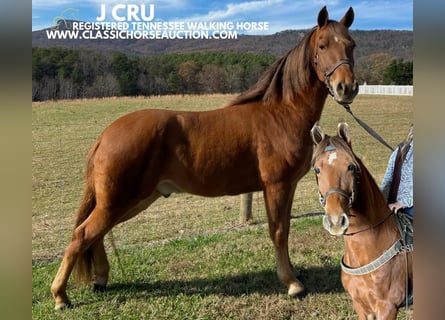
<point x="221" y="276"/>
<point x="187" y="257"/>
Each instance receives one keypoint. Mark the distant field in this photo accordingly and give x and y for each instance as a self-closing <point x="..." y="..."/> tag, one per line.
<point x="211" y="267"/>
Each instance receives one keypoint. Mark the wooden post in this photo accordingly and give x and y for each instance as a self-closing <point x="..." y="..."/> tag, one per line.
<point x="245" y="208"/>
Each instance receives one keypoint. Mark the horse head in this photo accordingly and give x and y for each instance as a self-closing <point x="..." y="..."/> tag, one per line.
<point x="332" y="56"/>
<point x="337" y="173"/>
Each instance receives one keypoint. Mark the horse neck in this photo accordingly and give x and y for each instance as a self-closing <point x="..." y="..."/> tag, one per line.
<point x="370" y="201"/>
<point x="301" y="88"/>
<point x="372" y="215"/>
<point x="293" y="83"/>
<point x="290" y="86"/>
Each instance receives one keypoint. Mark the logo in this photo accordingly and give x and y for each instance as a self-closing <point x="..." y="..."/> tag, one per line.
<point x="63" y="20"/>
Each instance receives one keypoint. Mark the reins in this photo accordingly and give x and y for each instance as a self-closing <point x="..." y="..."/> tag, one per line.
<point x="370" y="227"/>
<point x="327" y="74"/>
<point x="367" y="128"/>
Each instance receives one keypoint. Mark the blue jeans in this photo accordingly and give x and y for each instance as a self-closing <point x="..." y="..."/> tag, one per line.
<point x="409" y="211"/>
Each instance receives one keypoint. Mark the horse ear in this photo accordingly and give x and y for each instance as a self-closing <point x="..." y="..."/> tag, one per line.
<point x="343" y="132"/>
<point x="317" y="134"/>
<point x="348" y="19"/>
<point x="322" y="17"/>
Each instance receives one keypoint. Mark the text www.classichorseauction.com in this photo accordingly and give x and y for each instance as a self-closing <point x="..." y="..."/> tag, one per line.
<point x="131" y="21"/>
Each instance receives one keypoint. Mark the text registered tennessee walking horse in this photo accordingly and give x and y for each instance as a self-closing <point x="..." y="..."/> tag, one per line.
<point x="377" y="263"/>
<point x="261" y="141"/>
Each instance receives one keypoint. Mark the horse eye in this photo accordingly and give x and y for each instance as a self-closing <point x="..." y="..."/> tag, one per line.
<point x="317" y="170"/>
<point x="322" y="47"/>
<point x="352" y="168"/>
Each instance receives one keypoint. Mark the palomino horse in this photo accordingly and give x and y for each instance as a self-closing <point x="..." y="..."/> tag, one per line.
<point x="377" y="263"/>
<point x="261" y="141"/>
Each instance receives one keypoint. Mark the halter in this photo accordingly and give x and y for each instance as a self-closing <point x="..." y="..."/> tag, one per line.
<point x="348" y="195"/>
<point x="330" y="71"/>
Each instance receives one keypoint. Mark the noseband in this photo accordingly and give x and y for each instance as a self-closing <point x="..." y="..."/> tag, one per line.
<point x="330" y="71"/>
<point x="347" y="195"/>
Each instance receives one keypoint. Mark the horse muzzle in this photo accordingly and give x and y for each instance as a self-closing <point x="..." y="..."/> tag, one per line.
<point x="336" y="225"/>
<point x="345" y="92"/>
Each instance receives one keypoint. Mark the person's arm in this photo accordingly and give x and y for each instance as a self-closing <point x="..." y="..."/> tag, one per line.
<point x="405" y="194"/>
<point x="387" y="178"/>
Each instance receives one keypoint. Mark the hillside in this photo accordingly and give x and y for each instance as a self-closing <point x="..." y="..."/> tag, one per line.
<point x="398" y="44"/>
<point x="68" y="69"/>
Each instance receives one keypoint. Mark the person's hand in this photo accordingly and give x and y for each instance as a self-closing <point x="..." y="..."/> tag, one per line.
<point x="395" y="207"/>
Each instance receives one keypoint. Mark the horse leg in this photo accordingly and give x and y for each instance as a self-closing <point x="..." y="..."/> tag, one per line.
<point x="386" y="310"/>
<point x="101" y="266"/>
<point x="100" y="261"/>
<point x="278" y="199"/>
<point x="91" y="230"/>
<point x="361" y="312"/>
<point x="140" y="206"/>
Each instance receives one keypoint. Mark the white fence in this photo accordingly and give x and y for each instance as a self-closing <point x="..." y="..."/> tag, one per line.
<point x="386" y="90"/>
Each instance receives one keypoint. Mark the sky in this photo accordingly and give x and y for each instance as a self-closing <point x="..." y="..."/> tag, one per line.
<point x="279" y="14"/>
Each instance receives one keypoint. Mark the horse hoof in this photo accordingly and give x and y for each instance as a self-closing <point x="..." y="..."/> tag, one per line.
<point x="99" y="288"/>
<point x="63" y="305"/>
<point x="295" y="289"/>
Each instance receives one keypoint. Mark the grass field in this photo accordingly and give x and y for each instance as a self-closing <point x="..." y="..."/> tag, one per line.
<point x="188" y="257"/>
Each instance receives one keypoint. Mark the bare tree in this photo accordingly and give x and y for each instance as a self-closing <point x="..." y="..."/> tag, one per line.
<point x="213" y="79"/>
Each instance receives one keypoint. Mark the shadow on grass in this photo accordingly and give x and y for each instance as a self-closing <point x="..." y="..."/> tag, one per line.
<point x="315" y="279"/>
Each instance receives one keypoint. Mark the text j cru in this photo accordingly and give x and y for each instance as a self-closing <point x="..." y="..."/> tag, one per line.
<point x="128" y="12"/>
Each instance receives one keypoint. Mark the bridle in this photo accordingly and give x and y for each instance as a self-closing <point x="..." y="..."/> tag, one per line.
<point x="327" y="73"/>
<point x="351" y="196"/>
<point x="348" y="195"/>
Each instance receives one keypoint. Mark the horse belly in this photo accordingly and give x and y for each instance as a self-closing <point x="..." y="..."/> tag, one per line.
<point x="209" y="160"/>
<point x="210" y="183"/>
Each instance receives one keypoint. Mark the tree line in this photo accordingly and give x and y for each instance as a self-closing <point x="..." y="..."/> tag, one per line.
<point x="62" y="73"/>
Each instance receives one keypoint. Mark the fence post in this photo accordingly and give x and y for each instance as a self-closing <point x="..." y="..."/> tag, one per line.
<point x="245" y="208"/>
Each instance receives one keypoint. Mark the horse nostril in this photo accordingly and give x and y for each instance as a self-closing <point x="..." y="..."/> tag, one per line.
<point x="355" y="87"/>
<point x="341" y="88"/>
<point x="344" y="220"/>
<point x="347" y="90"/>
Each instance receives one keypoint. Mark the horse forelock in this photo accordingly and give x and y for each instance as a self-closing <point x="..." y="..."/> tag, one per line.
<point x="339" y="144"/>
<point x="341" y="33"/>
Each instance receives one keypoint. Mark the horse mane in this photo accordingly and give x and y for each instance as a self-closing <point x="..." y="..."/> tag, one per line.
<point x="284" y="78"/>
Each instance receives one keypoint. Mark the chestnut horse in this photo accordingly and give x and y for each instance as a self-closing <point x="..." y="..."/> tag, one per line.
<point x="377" y="263"/>
<point x="261" y="141"/>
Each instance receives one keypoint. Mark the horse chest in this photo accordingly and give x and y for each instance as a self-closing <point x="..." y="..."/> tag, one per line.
<point x="284" y="161"/>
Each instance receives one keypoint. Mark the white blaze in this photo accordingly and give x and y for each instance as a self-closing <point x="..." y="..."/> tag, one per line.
<point x="332" y="157"/>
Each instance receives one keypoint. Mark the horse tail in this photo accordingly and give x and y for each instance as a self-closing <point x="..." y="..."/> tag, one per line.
<point x="84" y="263"/>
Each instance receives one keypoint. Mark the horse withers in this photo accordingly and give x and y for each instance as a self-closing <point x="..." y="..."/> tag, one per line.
<point x="377" y="263"/>
<point x="260" y="141"/>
